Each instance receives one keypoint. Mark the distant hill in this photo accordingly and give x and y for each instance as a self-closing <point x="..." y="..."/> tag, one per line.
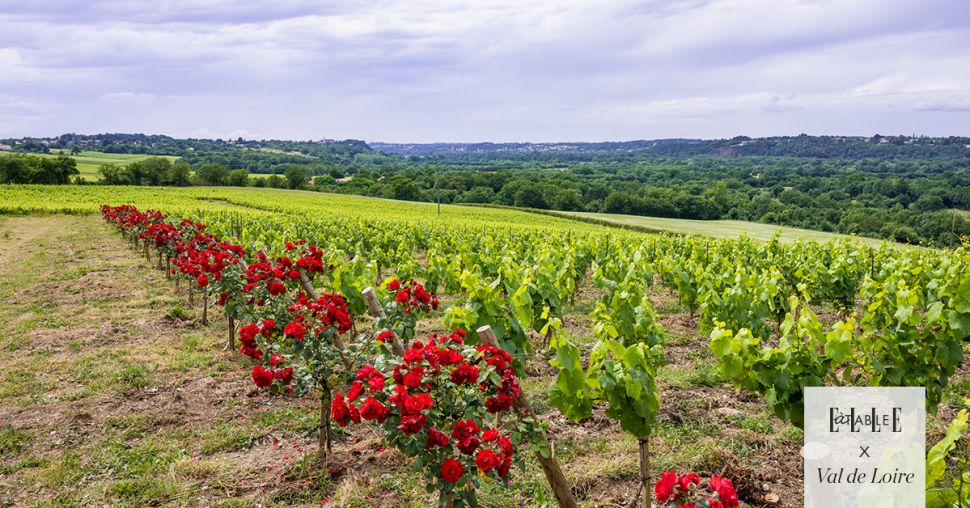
<point x="780" y="146"/>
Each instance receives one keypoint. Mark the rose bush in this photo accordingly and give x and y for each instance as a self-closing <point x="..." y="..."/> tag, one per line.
<point x="689" y="491"/>
<point x="440" y="403"/>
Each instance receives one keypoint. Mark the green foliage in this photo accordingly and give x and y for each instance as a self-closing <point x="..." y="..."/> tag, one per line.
<point x="948" y="467"/>
<point x="623" y="362"/>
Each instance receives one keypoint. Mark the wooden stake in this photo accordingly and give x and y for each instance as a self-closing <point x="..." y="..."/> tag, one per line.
<point x="550" y="466"/>
<point x="337" y="341"/>
<point x="324" y="440"/>
<point x="645" y="471"/>
<point x="232" y="334"/>
<point x="205" y="306"/>
<point x="378" y="311"/>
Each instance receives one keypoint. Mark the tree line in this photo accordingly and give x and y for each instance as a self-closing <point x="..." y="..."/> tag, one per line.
<point x="19" y="168"/>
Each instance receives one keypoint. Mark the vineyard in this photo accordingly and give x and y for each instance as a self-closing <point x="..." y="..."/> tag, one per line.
<point x="364" y="352"/>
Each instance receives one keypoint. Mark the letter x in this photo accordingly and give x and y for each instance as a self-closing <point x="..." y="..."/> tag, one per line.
<point x="865" y="451"/>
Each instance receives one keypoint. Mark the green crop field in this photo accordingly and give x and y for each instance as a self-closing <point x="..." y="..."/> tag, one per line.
<point x="86" y="199"/>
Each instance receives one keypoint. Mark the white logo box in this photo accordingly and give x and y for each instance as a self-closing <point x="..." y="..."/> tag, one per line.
<point x="865" y="447"/>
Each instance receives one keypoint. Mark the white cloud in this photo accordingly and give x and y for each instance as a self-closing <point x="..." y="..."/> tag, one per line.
<point x="422" y="70"/>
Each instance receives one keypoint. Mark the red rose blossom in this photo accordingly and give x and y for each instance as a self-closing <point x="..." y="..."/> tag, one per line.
<point x="262" y="377"/>
<point x="486" y="460"/>
<point x="451" y="470"/>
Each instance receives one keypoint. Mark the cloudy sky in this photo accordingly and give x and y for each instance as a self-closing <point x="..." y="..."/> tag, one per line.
<point x="462" y="70"/>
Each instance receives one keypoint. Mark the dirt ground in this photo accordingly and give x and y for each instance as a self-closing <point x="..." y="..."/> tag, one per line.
<point x="112" y="393"/>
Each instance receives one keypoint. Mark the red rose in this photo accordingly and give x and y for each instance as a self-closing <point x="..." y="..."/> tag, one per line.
<point x="664" y="489"/>
<point x="451" y="470"/>
<point x="355" y="390"/>
<point x="372" y="409"/>
<point x="464" y="429"/>
<point x="203" y="281"/>
<point x="686" y="480"/>
<point x="412" y="424"/>
<point x="268" y="326"/>
<point x="413" y="379"/>
<point x="385" y="336"/>
<point x="290" y="246"/>
<point x="394" y="285"/>
<point x="486" y="460"/>
<point x="375" y="383"/>
<point x="287" y="375"/>
<point x="469" y="445"/>
<point x="437" y="438"/>
<point x="247" y="334"/>
<point x="275" y="359"/>
<point x="293" y="275"/>
<point x="339" y="410"/>
<point x="276" y="288"/>
<point x="714" y="503"/>
<point x="465" y="373"/>
<point x="401" y="297"/>
<point x="725" y="491"/>
<point x="418" y="403"/>
<point x="489" y="435"/>
<point x="366" y="371"/>
<point x="501" y="403"/>
<point x="262" y="377"/>
<point x="413" y="355"/>
<point x="295" y="330"/>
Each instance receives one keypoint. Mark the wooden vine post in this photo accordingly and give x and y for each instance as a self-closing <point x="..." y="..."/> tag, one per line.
<point x="645" y="471"/>
<point x="205" y="306"/>
<point x="550" y="466"/>
<point x="378" y="311"/>
<point x="325" y="396"/>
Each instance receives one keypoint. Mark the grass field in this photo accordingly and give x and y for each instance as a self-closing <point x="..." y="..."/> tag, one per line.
<point x="723" y="228"/>
<point x="88" y="162"/>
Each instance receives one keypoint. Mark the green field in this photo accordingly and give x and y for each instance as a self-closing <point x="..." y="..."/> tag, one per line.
<point x="88" y="162"/>
<point x="25" y="199"/>
<point x="723" y="228"/>
<point x="20" y="199"/>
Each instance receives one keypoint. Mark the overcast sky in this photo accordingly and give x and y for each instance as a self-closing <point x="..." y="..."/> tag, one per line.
<point x="516" y="70"/>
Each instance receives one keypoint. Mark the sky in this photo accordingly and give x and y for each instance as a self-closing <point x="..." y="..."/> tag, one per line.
<point x="466" y="71"/>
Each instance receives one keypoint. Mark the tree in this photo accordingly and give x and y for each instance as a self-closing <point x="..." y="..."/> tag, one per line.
<point x="212" y="174"/>
<point x="112" y="174"/>
<point x="178" y="173"/>
<point x="150" y="171"/>
<point x="402" y="188"/>
<point x="929" y="202"/>
<point x="530" y="196"/>
<point x="295" y="177"/>
<point x="238" y="178"/>
<point x="274" y="181"/>
<point x="568" y="199"/>
<point x="14" y="169"/>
